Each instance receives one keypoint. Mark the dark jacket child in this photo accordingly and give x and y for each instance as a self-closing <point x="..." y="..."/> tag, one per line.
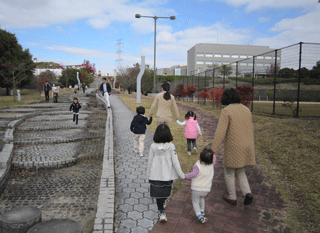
<point x="139" y="126"/>
<point x="75" y="106"/>
<point x="201" y="175"/>
<point x="163" y="167"/>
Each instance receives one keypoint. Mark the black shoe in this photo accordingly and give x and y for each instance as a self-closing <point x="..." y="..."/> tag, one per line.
<point x="248" y="199"/>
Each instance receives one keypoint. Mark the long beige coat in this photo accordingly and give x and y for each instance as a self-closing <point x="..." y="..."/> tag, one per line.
<point x="236" y="127"/>
<point x="164" y="106"/>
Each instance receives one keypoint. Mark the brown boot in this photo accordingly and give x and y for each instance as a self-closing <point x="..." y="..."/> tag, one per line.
<point x="232" y="202"/>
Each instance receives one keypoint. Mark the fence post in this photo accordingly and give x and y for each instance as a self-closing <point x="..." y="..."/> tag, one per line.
<point x="275" y="81"/>
<point x="236" y="74"/>
<point x="224" y="75"/>
<point x="198" y="86"/>
<point x="213" y="78"/>
<point x="253" y="63"/>
<point x="205" y="79"/>
<point x="299" y="79"/>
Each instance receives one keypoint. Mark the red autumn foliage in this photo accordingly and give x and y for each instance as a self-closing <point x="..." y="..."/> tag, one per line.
<point x="246" y="93"/>
<point x="190" y="90"/>
<point x="203" y="94"/>
<point x="215" y="95"/>
<point x="90" y="68"/>
<point x="117" y="85"/>
<point x="179" y="92"/>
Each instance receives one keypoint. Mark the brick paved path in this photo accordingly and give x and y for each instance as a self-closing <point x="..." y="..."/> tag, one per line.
<point x="135" y="210"/>
<point x="223" y="217"/>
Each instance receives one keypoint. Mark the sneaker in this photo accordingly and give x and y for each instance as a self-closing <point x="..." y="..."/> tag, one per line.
<point x="109" y="107"/>
<point x="195" y="150"/>
<point x="202" y="219"/>
<point x="189" y="152"/>
<point x="141" y="154"/>
<point x="135" y="150"/>
<point x="162" y="216"/>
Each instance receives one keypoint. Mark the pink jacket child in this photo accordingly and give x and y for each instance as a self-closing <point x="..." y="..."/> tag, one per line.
<point x="191" y="131"/>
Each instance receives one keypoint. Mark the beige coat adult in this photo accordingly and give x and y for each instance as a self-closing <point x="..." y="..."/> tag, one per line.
<point x="164" y="106"/>
<point x="236" y="127"/>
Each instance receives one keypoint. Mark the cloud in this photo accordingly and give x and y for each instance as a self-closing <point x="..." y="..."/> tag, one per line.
<point x="33" y="44"/>
<point x="252" y="5"/>
<point x="293" y="30"/>
<point x="99" y="14"/>
<point x="59" y="29"/>
<point x="263" y="19"/>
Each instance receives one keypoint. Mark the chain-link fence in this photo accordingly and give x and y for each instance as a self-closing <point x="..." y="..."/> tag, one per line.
<point x="286" y="81"/>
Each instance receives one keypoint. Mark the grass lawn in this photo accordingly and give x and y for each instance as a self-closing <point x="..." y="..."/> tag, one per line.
<point x="287" y="150"/>
<point x="27" y="96"/>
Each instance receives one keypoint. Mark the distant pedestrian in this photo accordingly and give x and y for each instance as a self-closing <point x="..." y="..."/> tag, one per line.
<point x="105" y="90"/>
<point x="202" y="175"/>
<point x="236" y="128"/>
<point x="191" y="131"/>
<point x="139" y="126"/>
<point x="46" y="89"/>
<point x="84" y="88"/>
<point x="165" y="103"/>
<point x="55" y="93"/>
<point x="75" y="107"/>
<point x="163" y="167"/>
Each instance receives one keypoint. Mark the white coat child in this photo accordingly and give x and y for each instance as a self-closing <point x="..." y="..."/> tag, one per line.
<point x="163" y="167"/>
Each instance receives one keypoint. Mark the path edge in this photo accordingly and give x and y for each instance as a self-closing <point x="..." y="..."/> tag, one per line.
<point x="104" y="220"/>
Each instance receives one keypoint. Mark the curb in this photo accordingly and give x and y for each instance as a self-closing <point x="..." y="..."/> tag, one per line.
<point x="105" y="208"/>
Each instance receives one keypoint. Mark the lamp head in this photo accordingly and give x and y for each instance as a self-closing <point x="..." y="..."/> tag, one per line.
<point x="172" y="17"/>
<point x="138" y="16"/>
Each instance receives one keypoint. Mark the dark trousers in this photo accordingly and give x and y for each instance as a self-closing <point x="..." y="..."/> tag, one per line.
<point x="193" y="141"/>
<point x="46" y="93"/>
<point x="160" y="203"/>
<point x="75" y="118"/>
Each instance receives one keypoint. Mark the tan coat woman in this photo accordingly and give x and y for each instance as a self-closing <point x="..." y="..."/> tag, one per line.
<point x="236" y="127"/>
<point x="165" y="103"/>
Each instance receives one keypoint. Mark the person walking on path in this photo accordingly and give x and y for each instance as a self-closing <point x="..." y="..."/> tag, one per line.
<point x="105" y="90"/>
<point x="164" y="102"/>
<point x="191" y="131"/>
<point x="236" y="127"/>
<point x="75" y="107"/>
<point x="46" y="89"/>
<point x="201" y="175"/>
<point x="84" y="88"/>
<point x="163" y="167"/>
<point x="139" y="126"/>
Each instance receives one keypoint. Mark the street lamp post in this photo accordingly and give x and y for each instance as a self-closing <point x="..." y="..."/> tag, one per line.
<point x="155" y="41"/>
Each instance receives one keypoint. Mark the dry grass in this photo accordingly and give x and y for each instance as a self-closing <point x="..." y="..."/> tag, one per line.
<point x="27" y="96"/>
<point x="287" y="150"/>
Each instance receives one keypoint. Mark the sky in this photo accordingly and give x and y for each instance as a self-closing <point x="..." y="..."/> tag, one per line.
<point x="71" y="31"/>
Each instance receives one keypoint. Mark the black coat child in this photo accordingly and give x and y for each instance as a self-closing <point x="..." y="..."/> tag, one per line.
<point x="75" y="107"/>
<point x="139" y="124"/>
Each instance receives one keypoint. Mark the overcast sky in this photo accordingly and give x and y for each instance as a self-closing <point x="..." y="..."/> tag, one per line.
<point x="69" y="31"/>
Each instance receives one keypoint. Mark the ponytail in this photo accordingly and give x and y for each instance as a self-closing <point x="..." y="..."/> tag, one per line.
<point x="166" y="88"/>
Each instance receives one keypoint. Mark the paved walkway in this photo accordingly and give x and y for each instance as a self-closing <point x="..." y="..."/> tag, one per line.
<point x="135" y="211"/>
<point x="135" y="208"/>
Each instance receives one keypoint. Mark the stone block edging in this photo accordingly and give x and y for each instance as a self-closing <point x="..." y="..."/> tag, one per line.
<point x="7" y="152"/>
<point x="105" y="208"/>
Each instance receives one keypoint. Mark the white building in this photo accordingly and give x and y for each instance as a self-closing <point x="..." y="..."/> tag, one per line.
<point x="205" y="56"/>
